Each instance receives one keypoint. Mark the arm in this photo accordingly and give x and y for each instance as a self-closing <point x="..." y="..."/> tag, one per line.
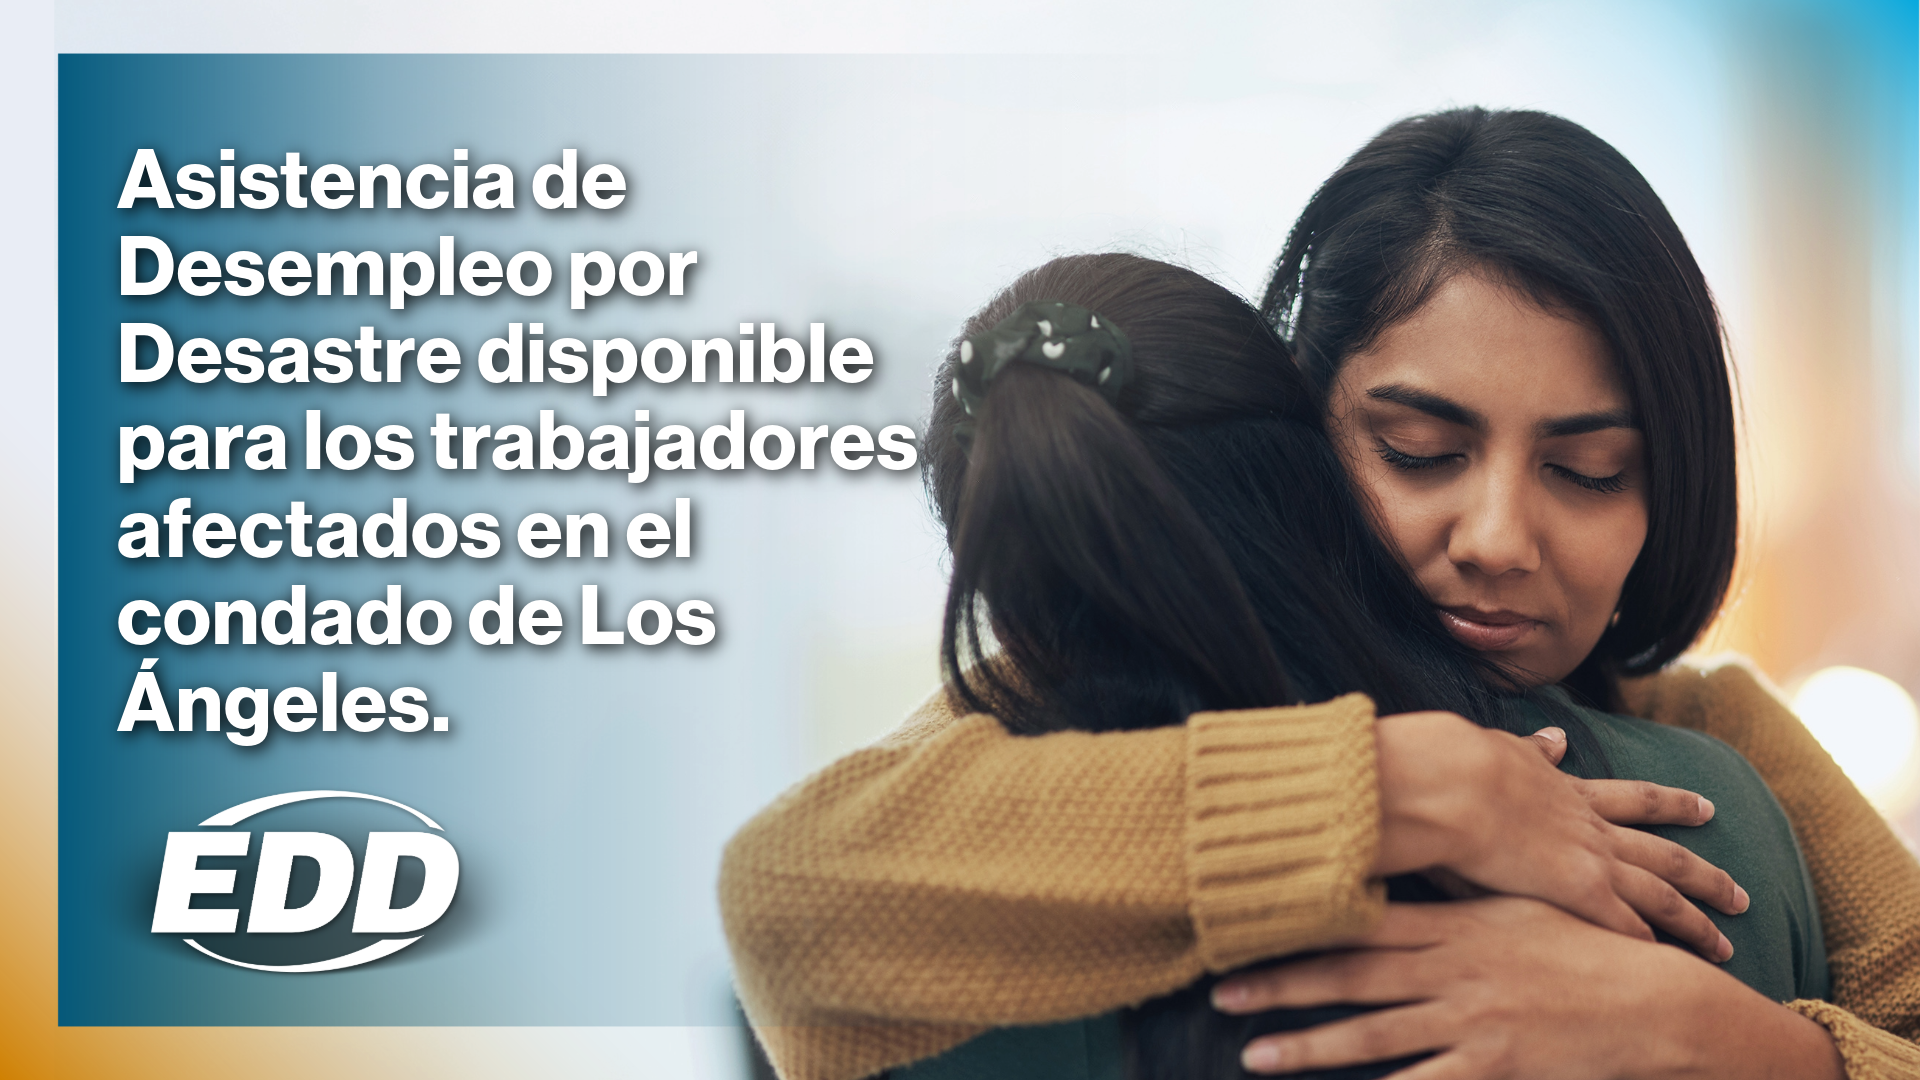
<point x="1511" y="989"/>
<point x="1867" y="883"/>
<point x="956" y="877"/>
<point x="1491" y="984"/>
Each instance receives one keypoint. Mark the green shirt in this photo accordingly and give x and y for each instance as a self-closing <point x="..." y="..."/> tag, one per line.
<point x="1777" y="944"/>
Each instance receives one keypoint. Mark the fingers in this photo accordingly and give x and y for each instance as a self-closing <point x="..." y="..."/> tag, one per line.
<point x="1452" y="1065"/>
<point x="1365" y="977"/>
<point x="1451" y="883"/>
<point x="1637" y="802"/>
<point x="1383" y="970"/>
<point x="1586" y="886"/>
<point x="1552" y="743"/>
<point x="1413" y="926"/>
<point x="1379" y="1036"/>
<point x="1664" y="907"/>
<point x="1684" y="870"/>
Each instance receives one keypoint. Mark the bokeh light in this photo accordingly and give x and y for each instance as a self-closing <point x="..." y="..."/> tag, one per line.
<point x="1870" y="725"/>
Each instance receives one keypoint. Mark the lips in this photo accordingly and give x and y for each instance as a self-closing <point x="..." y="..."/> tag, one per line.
<point x="1487" y="631"/>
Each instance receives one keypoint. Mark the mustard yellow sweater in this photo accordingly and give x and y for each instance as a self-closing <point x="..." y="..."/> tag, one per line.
<point x="954" y="878"/>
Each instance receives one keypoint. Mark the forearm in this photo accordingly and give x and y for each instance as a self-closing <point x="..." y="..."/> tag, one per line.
<point x="1743" y="1036"/>
<point x="1867" y="882"/>
<point x="918" y="891"/>
<point x="1510" y="988"/>
<point x="971" y="878"/>
<point x="1869" y="1053"/>
<point x="1703" y="1024"/>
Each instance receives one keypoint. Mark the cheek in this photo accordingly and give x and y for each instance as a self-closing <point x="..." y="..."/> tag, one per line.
<point x="1411" y="519"/>
<point x="1603" y="553"/>
<point x="1416" y="524"/>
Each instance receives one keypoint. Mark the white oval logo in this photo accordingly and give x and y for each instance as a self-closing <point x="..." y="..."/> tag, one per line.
<point x="316" y="867"/>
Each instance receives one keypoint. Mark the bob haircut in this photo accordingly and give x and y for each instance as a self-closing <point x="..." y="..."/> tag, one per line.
<point x="1543" y="206"/>
<point x="1196" y="546"/>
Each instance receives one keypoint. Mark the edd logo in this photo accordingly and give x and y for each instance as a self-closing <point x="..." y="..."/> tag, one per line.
<point x="316" y="871"/>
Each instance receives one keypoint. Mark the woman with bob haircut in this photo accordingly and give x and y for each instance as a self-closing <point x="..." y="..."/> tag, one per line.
<point x="1177" y="538"/>
<point x="957" y="877"/>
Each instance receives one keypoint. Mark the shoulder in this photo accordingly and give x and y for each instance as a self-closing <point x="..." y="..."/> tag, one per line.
<point x="1682" y="757"/>
<point x="1618" y="728"/>
<point x="934" y="714"/>
<point x="1722" y="696"/>
<point x="1731" y="701"/>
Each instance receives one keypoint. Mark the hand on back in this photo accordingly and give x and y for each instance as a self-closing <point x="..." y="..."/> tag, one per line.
<point x="1508" y="989"/>
<point x="1491" y="809"/>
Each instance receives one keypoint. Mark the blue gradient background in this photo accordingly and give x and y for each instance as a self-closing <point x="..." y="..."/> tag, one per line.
<point x="588" y="790"/>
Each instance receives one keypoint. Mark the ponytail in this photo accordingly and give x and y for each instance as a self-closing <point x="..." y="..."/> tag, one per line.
<point x="1102" y="583"/>
<point x="1185" y="541"/>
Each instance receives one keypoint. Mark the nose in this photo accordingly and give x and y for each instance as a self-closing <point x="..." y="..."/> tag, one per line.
<point x="1495" y="532"/>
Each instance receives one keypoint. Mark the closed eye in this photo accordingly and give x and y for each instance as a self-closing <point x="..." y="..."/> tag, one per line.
<point x="1605" y="485"/>
<point x="1406" y="462"/>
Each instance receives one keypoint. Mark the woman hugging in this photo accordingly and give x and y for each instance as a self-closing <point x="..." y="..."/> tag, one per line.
<point x="1311" y="705"/>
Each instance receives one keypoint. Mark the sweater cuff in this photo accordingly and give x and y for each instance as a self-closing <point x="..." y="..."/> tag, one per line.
<point x="1283" y="823"/>
<point x="1868" y="1052"/>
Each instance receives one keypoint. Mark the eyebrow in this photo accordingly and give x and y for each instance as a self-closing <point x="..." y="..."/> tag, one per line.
<point x="1585" y="423"/>
<point x="1453" y="412"/>
<point x="1432" y="404"/>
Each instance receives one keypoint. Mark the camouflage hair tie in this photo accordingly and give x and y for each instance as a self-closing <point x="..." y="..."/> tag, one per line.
<point x="1050" y="333"/>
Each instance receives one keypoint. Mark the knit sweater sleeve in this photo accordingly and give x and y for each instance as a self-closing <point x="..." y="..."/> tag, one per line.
<point x="954" y="878"/>
<point x="1866" y="881"/>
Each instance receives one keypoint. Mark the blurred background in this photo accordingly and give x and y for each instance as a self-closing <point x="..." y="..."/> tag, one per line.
<point x="1781" y="134"/>
<point x="1820" y="298"/>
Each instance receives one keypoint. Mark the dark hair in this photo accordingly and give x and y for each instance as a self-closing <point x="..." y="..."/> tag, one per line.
<point x="1196" y="546"/>
<point x="1550" y="209"/>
